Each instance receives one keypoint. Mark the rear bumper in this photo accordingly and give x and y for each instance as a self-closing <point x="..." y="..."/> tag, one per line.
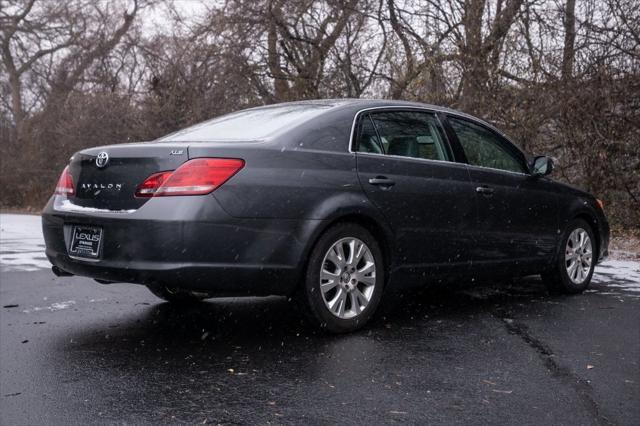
<point x="187" y="242"/>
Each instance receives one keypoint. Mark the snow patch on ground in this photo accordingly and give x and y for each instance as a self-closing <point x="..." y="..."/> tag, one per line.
<point x="616" y="277"/>
<point x="58" y="306"/>
<point x="21" y="243"/>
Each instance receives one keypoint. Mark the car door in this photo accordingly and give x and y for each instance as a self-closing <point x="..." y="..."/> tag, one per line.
<point x="517" y="213"/>
<point x="406" y="168"/>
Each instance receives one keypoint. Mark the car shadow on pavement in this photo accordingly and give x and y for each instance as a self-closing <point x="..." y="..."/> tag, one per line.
<point x="268" y="321"/>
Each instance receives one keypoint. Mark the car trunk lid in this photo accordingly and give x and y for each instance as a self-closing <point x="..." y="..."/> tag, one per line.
<point x="107" y="177"/>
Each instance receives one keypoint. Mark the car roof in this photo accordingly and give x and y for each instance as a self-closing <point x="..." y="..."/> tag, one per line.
<point x="365" y="103"/>
<point x="358" y="103"/>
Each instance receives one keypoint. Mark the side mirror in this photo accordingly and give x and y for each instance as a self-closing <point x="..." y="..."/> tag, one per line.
<point x="541" y="166"/>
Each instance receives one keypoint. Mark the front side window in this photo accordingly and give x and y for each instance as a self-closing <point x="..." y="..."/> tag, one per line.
<point x="409" y="134"/>
<point x="485" y="148"/>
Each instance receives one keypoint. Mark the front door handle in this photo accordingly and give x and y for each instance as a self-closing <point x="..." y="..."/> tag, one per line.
<point x="484" y="190"/>
<point x="382" y="181"/>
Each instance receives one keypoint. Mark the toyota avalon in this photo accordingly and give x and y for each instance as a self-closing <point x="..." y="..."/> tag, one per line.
<point x="334" y="202"/>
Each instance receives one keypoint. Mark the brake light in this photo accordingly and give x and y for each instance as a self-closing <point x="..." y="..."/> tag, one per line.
<point x="149" y="187"/>
<point x="195" y="177"/>
<point x="65" y="183"/>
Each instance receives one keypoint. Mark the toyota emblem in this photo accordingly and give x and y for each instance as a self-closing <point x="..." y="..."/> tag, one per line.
<point x="102" y="159"/>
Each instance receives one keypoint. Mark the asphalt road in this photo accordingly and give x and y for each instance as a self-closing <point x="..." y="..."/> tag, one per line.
<point x="76" y="352"/>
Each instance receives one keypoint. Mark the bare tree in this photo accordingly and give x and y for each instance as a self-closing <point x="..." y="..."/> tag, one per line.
<point x="561" y="76"/>
<point x="56" y="42"/>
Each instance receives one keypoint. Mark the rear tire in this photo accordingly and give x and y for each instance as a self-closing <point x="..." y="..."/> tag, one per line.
<point x="576" y="260"/>
<point x="176" y="295"/>
<point x="344" y="279"/>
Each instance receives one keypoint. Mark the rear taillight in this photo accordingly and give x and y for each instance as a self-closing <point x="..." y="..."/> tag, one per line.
<point x="65" y="183"/>
<point x="149" y="187"/>
<point x="195" y="177"/>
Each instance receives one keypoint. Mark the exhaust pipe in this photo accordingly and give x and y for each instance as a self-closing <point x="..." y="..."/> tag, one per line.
<point x="60" y="273"/>
<point x="101" y="281"/>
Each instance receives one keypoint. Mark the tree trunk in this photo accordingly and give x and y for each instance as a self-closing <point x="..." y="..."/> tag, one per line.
<point x="568" y="53"/>
<point x="474" y="73"/>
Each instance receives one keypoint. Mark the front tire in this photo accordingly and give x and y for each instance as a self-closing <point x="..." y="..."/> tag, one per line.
<point x="344" y="279"/>
<point x="176" y="295"/>
<point x="575" y="264"/>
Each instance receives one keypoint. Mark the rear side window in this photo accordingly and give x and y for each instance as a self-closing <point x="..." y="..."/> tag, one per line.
<point x="407" y="134"/>
<point x="247" y="125"/>
<point x="485" y="148"/>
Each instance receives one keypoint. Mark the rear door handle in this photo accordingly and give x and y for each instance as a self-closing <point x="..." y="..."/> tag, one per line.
<point x="484" y="190"/>
<point x="381" y="181"/>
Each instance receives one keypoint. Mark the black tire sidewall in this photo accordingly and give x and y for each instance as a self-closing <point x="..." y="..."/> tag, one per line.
<point x="312" y="294"/>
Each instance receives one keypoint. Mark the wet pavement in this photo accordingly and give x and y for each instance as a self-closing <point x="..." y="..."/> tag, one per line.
<point x="73" y="351"/>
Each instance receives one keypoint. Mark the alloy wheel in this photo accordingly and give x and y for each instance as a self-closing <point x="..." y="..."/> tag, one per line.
<point x="347" y="277"/>
<point x="578" y="256"/>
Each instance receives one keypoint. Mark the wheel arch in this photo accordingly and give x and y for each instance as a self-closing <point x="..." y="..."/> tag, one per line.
<point x="371" y="221"/>
<point x="593" y="222"/>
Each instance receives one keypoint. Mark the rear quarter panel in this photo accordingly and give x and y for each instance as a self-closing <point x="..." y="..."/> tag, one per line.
<point x="303" y="173"/>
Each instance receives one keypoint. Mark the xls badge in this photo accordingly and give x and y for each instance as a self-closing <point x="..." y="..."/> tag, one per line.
<point x="102" y="160"/>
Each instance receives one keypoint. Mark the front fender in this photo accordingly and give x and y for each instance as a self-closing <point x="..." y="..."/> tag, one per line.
<point x="583" y="206"/>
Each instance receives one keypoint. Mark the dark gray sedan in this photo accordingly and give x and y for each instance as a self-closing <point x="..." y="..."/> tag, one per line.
<point x="333" y="201"/>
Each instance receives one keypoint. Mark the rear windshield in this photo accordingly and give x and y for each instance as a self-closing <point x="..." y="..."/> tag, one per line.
<point x="247" y="125"/>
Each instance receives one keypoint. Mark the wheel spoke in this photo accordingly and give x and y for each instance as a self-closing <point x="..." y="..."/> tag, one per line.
<point x="333" y="257"/>
<point x="367" y="268"/>
<point x="368" y="281"/>
<point x="341" y="304"/>
<point x="328" y="275"/>
<point x="363" y="300"/>
<point x="339" y="249"/>
<point x="355" y="304"/>
<point x="360" y="251"/>
<point x="575" y="243"/>
<point x="352" y="252"/>
<point x="580" y="273"/>
<point x="333" y="303"/>
<point x="325" y="287"/>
